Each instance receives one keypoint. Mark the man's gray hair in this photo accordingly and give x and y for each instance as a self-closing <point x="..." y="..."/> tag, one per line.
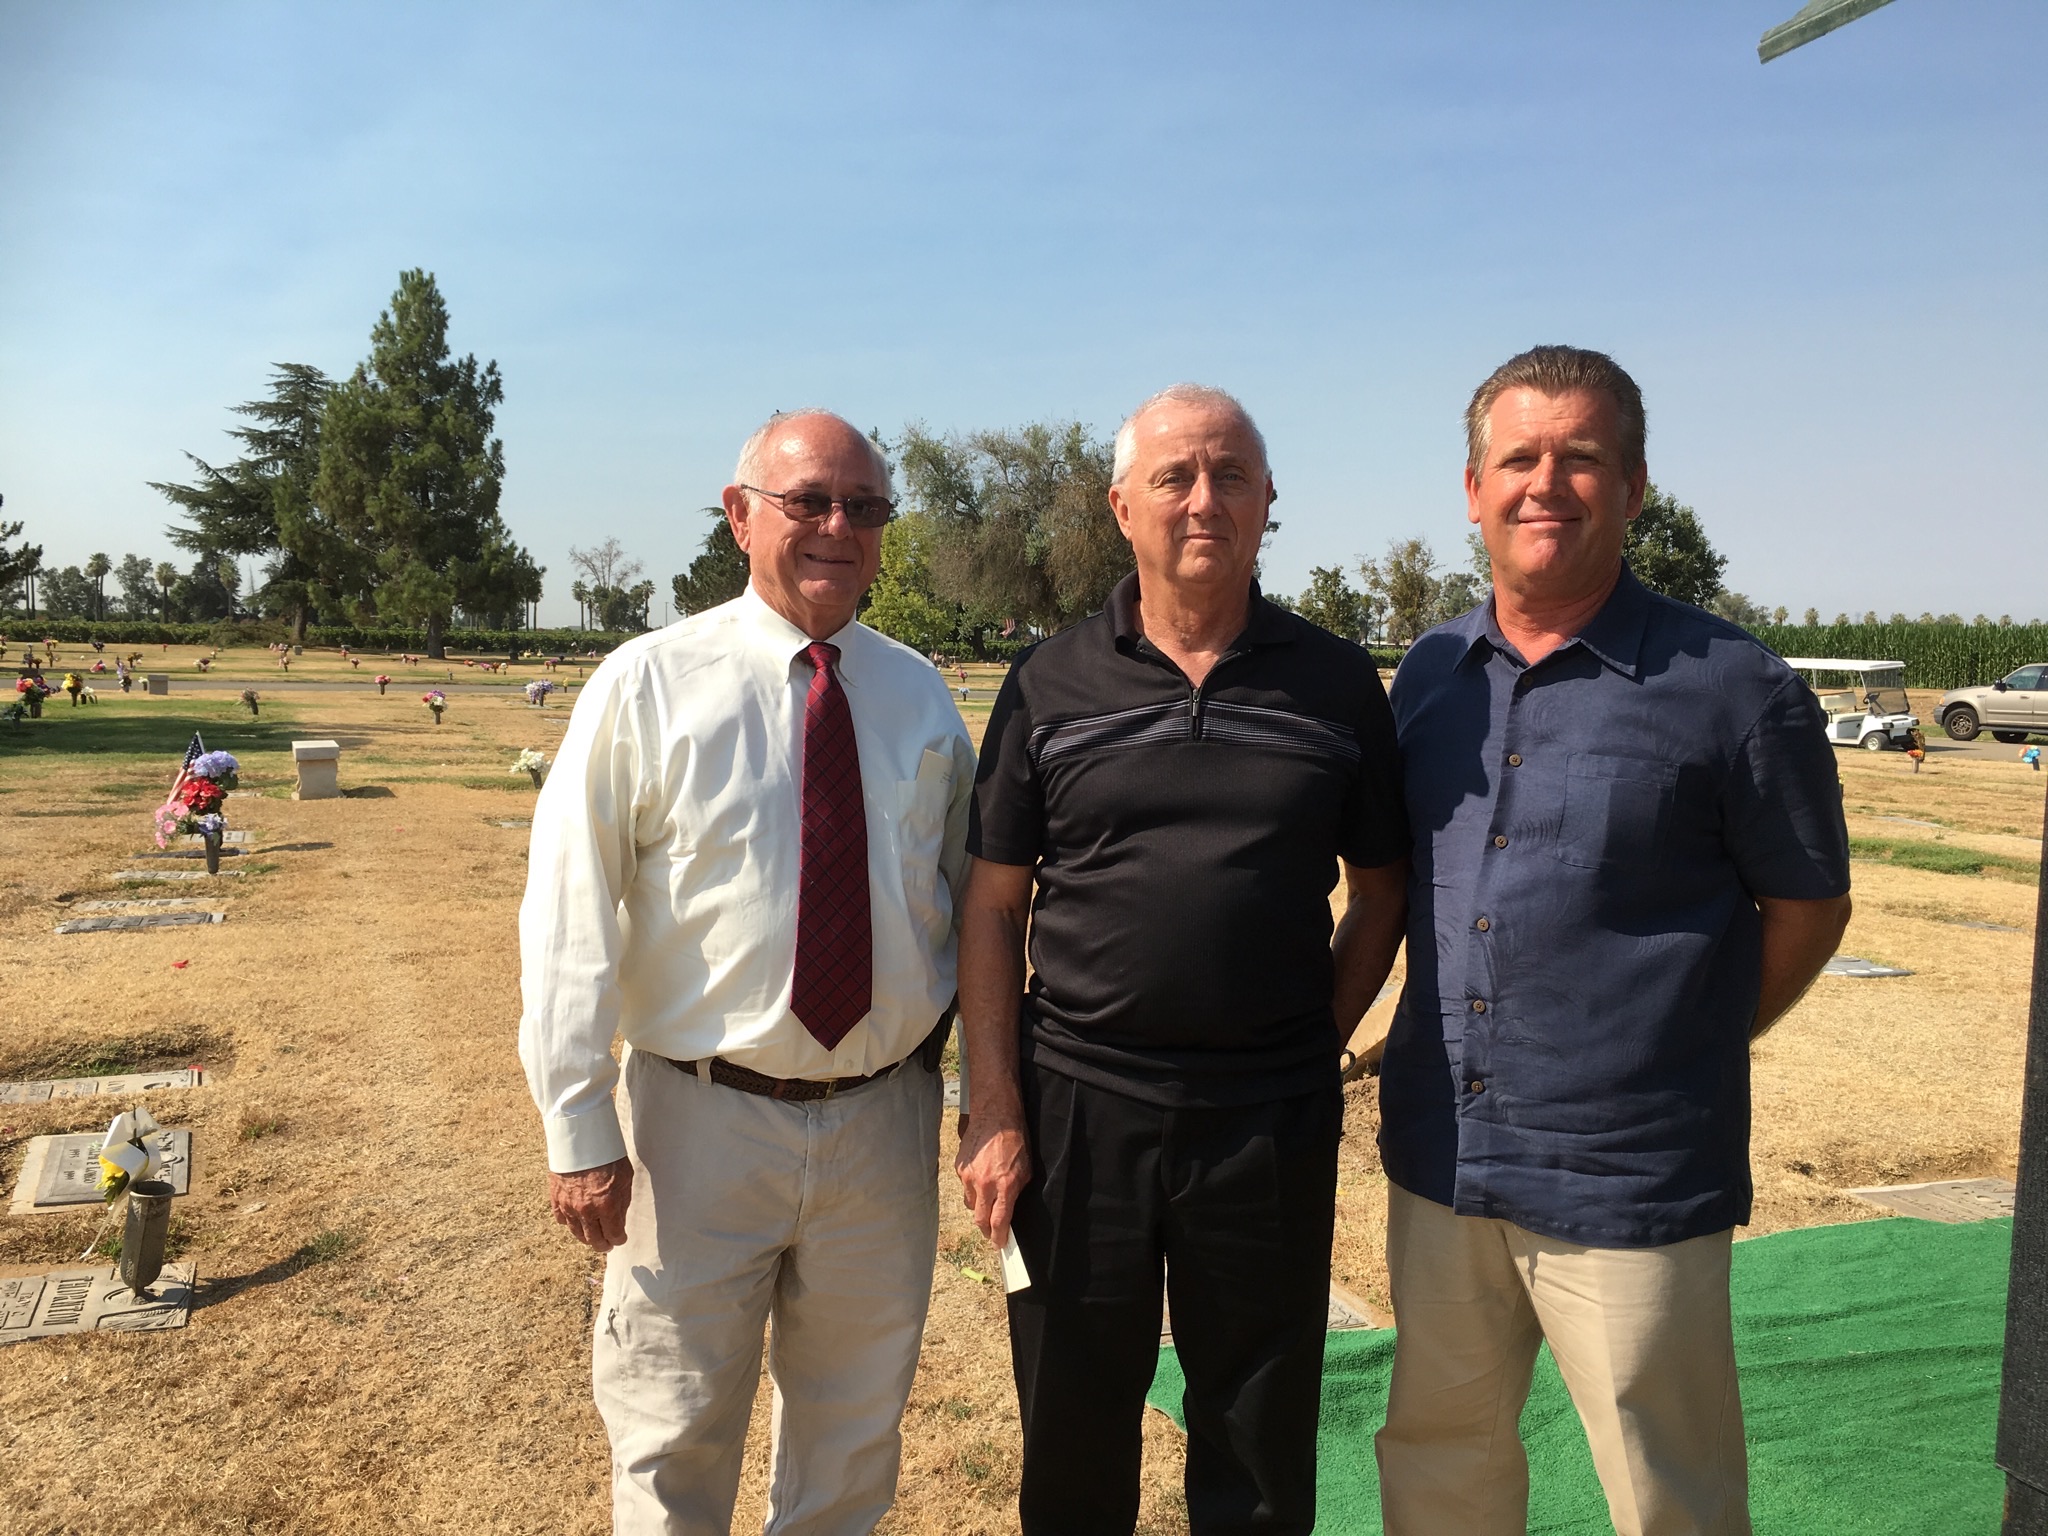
<point x="754" y="451"/>
<point x="1182" y="394"/>
<point x="1558" y="371"/>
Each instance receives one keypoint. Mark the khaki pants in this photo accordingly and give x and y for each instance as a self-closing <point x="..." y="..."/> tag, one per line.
<point x="821" y="1218"/>
<point x="1642" y="1337"/>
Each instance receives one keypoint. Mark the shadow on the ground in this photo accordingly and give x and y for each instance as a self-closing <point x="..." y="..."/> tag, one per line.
<point x="225" y="727"/>
<point x="368" y="792"/>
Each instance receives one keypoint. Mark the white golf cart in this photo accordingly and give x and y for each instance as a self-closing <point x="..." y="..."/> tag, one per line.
<point x="1865" y="701"/>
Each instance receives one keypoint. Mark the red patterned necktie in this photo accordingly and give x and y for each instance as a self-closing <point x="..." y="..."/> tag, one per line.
<point x="833" y="985"/>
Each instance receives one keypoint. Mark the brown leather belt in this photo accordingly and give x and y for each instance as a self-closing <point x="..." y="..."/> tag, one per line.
<point x="800" y="1090"/>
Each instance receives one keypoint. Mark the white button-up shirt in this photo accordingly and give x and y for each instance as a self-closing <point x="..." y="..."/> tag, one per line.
<point x="661" y="887"/>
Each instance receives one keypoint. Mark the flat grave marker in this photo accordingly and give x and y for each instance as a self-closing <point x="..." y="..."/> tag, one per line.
<point x="138" y="903"/>
<point x="61" y="1172"/>
<point x="1971" y="922"/>
<point x="1851" y="965"/>
<point x="92" y="1301"/>
<point x="187" y="853"/>
<point x="1950" y="1200"/>
<point x="131" y="875"/>
<point x="1915" y="821"/>
<point x="235" y="835"/>
<point x="126" y="922"/>
<point x="42" y="1090"/>
<point x="1346" y="1311"/>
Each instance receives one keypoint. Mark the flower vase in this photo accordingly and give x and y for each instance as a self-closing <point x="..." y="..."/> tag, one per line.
<point x="437" y="717"/>
<point x="35" y="709"/>
<point x="380" y="689"/>
<point x="534" y="774"/>
<point x="144" y="1234"/>
<point x="212" y="841"/>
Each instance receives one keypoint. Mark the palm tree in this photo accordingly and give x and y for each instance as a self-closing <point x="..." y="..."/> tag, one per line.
<point x="581" y="593"/>
<point x="96" y="572"/>
<point x="165" y="574"/>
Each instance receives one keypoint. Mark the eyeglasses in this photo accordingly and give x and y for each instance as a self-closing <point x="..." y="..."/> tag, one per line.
<point x="816" y="506"/>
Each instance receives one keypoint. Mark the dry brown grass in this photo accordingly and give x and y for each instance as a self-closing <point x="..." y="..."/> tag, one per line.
<point x="394" y="1335"/>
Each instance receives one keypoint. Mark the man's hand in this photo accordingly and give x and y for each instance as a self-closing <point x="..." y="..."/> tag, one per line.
<point x="592" y="1203"/>
<point x="994" y="1164"/>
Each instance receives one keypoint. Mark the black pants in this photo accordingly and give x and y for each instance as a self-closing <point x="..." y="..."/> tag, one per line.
<point x="1237" y="1206"/>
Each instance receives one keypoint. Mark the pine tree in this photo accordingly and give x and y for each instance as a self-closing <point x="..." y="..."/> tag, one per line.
<point x="409" y="470"/>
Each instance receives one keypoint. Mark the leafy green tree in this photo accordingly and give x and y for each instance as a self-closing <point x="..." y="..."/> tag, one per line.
<point x="903" y="603"/>
<point x="1332" y="602"/>
<point x="410" y="470"/>
<point x="1405" y="588"/>
<point x="138" y="586"/>
<point x="1738" y="609"/>
<point x="67" y="594"/>
<point x="19" y="566"/>
<point x="719" y="574"/>
<point x="1668" y="550"/>
<point x="1458" y="593"/>
<point x="1021" y="523"/>
<point x="97" y="568"/>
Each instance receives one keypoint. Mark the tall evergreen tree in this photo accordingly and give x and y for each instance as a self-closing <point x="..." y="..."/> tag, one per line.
<point x="719" y="574"/>
<point x="262" y="504"/>
<point x="19" y="566"/>
<point x="410" y="470"/>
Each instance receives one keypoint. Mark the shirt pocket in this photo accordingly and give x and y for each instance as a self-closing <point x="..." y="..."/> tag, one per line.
<point x="1617" y="811"/>
<point x="921" y="805"/>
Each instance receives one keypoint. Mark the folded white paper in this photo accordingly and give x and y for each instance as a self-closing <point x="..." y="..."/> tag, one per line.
<point x="1015" y="1276"/>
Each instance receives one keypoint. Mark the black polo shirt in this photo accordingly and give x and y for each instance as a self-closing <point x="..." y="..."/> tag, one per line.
<point x="1185" y="842"/>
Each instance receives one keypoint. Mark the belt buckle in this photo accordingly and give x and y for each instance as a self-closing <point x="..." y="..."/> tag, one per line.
<point x="831" y="1087"/>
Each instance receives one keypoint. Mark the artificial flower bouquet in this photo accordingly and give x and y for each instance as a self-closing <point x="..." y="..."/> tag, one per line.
<point x="435" y="700"/>
<point x="531" y="763"/>
<point x="196" y="799"/>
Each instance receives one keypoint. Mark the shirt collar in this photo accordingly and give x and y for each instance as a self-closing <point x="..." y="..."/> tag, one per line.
<point x="1264" y="625"/>
<point x="1614" y="634"/>
<point x="776" y="636"/>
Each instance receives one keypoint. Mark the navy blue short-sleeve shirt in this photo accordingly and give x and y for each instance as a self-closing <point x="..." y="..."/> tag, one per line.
<point x="1571" y="1051"/>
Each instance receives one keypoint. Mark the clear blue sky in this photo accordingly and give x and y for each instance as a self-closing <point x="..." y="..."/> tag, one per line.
<point x="1830" y="274"/>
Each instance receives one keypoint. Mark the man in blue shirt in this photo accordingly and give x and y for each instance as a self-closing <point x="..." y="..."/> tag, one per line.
<point x="1629" y="860"/>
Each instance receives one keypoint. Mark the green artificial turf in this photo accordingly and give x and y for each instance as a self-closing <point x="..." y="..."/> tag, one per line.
<point x="1870" y="1361"/>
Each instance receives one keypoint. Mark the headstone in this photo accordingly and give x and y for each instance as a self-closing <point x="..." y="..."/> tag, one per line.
<point x="1915" y="821"/>
<point x="138" y="904"/>
<point x="1967" y="922"/>
<point x="125" y="922"/>
<point x="68" y="1167"/>
<point x="157" y="682"/>
<point x="514" y="823"/>
<point x="319" y="764"/>
<point x="1949" y="1200"/>
<point x="91" y="1301"/>
<point x="43" y="1090"/>
<point x="1346" y="1311"/>
<point x="245" y="794"/>
<point x="1850" y="965"/>
<point x="234" y="835"/>
<point x="130" y="875"/>
<point x="952" y="1093"/>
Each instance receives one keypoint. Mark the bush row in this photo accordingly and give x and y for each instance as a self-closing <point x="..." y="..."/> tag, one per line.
<point x="20" y="631"/>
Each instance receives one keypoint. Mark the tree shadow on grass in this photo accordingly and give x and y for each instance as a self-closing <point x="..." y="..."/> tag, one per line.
<point x="225" y="727"/>
<point x="324" y="1249"/>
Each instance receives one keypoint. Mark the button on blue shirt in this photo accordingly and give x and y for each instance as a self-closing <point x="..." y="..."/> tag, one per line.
<point x="1571" y="1052"/>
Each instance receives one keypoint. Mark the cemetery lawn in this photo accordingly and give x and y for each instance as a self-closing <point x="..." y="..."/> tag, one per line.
<point x="393" y="1334"/>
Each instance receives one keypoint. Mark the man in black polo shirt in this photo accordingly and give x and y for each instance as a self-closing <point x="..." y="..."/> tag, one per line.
<point x="1180" y="775"/>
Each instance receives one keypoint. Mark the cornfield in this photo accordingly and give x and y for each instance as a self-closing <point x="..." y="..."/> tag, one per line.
<point x="1936" y="655"/>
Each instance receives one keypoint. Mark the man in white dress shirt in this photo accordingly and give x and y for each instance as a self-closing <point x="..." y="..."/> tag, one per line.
<point x="744" y="864"/>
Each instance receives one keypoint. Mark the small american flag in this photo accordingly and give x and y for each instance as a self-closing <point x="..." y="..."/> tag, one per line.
<point x="193" y="753"/>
